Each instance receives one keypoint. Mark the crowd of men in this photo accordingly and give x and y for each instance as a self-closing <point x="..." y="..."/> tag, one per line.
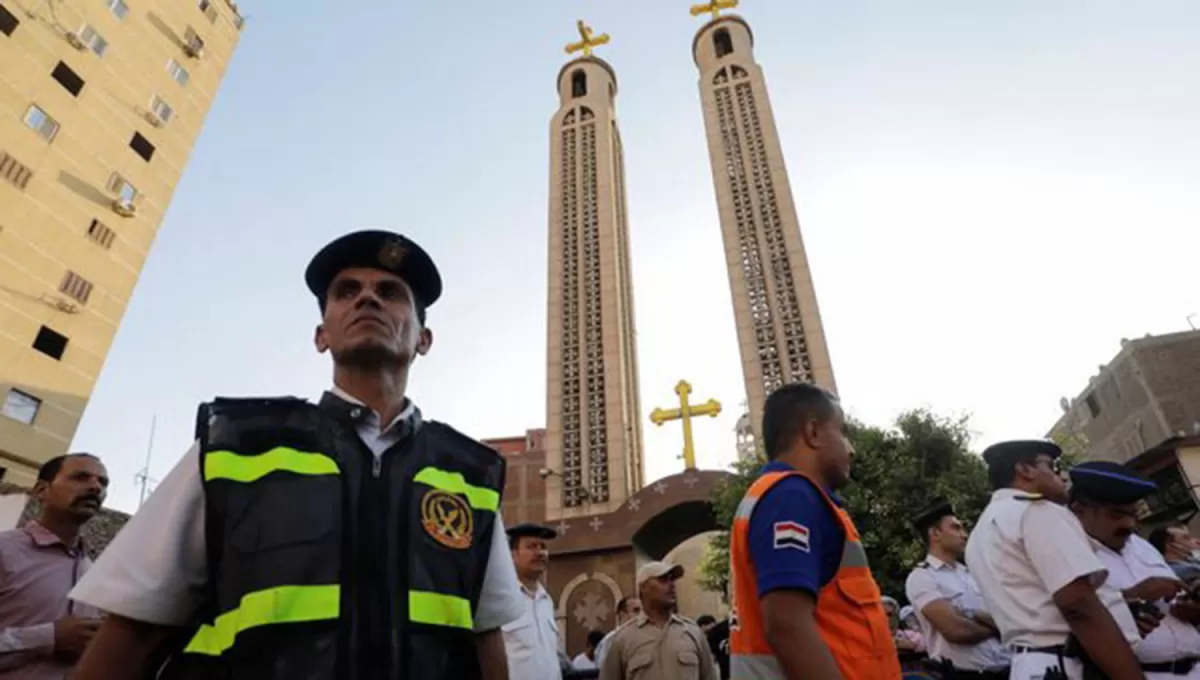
<point x="353" y="539"/>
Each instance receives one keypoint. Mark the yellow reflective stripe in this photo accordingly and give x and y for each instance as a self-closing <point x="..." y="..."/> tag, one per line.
<point x="285" y="604"/>
<point x="229" y="465"/>
<point x="480" y="498"/>
<point x="439" y="610"/>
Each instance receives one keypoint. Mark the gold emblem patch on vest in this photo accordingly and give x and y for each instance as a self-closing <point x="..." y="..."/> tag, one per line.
<point x="447" y="518"/>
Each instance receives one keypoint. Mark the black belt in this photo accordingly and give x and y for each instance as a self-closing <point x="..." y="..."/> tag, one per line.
<point x="961" y="674"/>
<point x="1176" y="667"/>
<point x="1056" y="650"/>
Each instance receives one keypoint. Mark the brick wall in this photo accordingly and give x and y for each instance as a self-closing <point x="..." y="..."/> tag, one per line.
<point x="524" y="489"/>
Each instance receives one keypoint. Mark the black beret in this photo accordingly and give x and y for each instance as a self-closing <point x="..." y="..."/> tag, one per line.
<point x="1008" y="453"/>
<point x="531" y="529"/>
<point x="932" y="514"/>
<point x="383" y="250"/>
<point x="1109" y="482"/>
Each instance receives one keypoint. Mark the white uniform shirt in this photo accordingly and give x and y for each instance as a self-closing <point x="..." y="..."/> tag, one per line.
<point x="935" y="580"/>
<point x="532" y="640"/>
<point x="1021" y="553"/>
<point x="156" y="568"/>
<point x="1173" y="639"/>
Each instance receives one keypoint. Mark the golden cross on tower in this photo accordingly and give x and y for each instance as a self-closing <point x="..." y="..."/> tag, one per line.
<point x="587" y="40"/>
<point x="685" y="413"/>
<point x="714" y="7"/>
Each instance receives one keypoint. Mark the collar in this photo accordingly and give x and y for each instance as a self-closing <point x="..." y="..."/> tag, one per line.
<point x="338" y="403"/>
<point x="780" y="466"/>
<point x="1016" y="495"/>
<point x="535" y="594"/>
<point x="44" y="538"/>
<point x="936" y="563"/>
<point x="642" y="619"/>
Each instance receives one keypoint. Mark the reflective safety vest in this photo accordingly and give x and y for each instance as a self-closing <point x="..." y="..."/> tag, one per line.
<point x="849" y="612"/>
<point x="327" y="563"/>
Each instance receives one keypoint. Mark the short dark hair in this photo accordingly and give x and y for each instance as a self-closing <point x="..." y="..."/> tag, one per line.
<point x="705" y="619"/>
<point x="1002" y="475"/>
<point x="789" y="409"/>
<point x="1162" y="535"/>
<point x="594" y="638"/>
<point x="623" y="603"/>
<point x="50" y="469"/>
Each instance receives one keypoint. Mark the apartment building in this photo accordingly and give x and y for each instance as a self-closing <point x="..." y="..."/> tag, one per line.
<point x="101" y="102"/>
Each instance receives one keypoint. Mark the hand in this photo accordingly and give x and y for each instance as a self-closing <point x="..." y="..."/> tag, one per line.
<point x="1147" y="619"/>
<point x="1187" y="611"/>
<point x="1155" y="588"/>
<point x="72" y="634"/>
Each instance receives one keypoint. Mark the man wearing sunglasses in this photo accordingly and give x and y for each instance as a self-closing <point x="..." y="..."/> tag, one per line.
<point x="1040" y="576"/>
<point x="1104" y="496"/>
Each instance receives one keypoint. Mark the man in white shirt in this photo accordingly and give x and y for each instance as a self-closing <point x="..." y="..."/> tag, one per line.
<point x="531" y="641"/>
<point x="960" y="636"/>
<point x="1104" y="496"/>
<point x="1040" y="577"/>
<point x="155" y="579"/>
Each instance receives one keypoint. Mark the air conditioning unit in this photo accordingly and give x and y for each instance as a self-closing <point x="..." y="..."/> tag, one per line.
<point x="124" y="208"/>
<point x="153" y="119"/>
<point x="194" y="49"/>
<point x="76" y="41"/>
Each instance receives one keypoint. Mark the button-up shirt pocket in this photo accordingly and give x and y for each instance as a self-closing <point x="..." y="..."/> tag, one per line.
<point x="689" y="665"/>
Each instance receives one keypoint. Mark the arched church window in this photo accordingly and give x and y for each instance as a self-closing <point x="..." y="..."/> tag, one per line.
<point x="579" y="84"/>
<point x="739" y="73"/>
<point x="722" y="42"/>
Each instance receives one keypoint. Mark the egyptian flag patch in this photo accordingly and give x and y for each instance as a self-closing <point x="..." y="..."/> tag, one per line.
<point x="791" y="535"/>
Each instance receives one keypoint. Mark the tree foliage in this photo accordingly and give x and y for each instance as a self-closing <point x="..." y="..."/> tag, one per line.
<point x="896" y="473"/>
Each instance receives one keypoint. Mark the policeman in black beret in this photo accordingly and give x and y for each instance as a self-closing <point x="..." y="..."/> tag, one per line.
<point x="533" y="649"/>
<point x="1040" y="575"/>
<point x="960" y="636"/>
<point x="345" y="540"/>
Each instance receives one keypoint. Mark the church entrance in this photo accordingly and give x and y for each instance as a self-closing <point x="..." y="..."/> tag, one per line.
<point x="595" y="558"/>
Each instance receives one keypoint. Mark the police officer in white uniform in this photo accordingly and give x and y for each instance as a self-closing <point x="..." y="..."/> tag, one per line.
<point x="1104" y="497"/>
<point x="1040" y="577"/>
<point x="532" y="641"/>
<point x="960" y="635"/>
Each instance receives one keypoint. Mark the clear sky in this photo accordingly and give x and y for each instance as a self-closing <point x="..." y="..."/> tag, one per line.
<point x="992" y="195"/>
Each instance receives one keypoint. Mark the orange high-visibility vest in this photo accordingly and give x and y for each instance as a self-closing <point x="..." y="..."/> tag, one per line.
<point x="849" y="610"/>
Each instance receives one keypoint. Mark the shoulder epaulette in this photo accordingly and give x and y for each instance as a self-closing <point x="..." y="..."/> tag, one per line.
<point x="1029" y="497"/>
<point x="922" y="565"/>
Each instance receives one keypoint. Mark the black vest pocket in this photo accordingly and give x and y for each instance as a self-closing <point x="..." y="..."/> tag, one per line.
<point x="281" y="512"/>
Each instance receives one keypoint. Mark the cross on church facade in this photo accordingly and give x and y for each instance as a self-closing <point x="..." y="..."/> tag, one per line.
<point x="685" y="413"/>
<point x="587" y="40"/>
<point x="713" y="7"/>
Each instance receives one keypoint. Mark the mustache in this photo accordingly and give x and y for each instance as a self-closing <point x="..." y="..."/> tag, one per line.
<point x="92" y="497"/>
<point x="1124" y="533"/>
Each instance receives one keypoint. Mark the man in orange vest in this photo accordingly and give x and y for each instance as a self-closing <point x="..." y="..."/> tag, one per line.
<point x="804" y="602"/>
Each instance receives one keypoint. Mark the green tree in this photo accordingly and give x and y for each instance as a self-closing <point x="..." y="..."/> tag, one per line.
<point x="896" y="473"/>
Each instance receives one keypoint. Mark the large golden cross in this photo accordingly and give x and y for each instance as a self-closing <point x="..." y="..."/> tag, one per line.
<point x="685" y="413"/>
<point x="714" y="7"/>
<point x="587" y="41"/>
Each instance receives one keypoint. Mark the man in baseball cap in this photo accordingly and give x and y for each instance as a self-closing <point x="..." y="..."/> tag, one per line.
<point x="682" y="648"/>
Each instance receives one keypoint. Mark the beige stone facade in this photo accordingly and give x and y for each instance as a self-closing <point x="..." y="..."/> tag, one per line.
<point x="1148" y="393"/>
<point x="775" y="305"/>
<point x="593" y="418"/>
<point x="101" y="102"/>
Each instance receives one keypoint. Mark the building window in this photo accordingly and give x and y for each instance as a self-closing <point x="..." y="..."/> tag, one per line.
<point x="722" y="43"/>
<point x="14" y="171"/>
<point x="21" y="406"/>
<point x="1093" y="405"/>
<point x="118" y="7"/>
<point x="122" y="189"/>
<point x="142" y="146"/>
<point x="579" y="84"/>
<point x="93" y="41"/>
<point x="193" y="44"/>
<point x="69" y="79"/>
<point x="40" y="121"/>
<point x="8" y="21"/>
<point x="209" y="11"/>
<point x="50" y="343"/>
<point x="178" y="73"/>
<point x="100" y="233"/>
<point x="161" y="109"/>
<point x="75" y="286"/>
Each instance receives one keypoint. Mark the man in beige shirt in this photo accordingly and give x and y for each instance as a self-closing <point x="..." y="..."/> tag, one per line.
<point x="659" y="644"/>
